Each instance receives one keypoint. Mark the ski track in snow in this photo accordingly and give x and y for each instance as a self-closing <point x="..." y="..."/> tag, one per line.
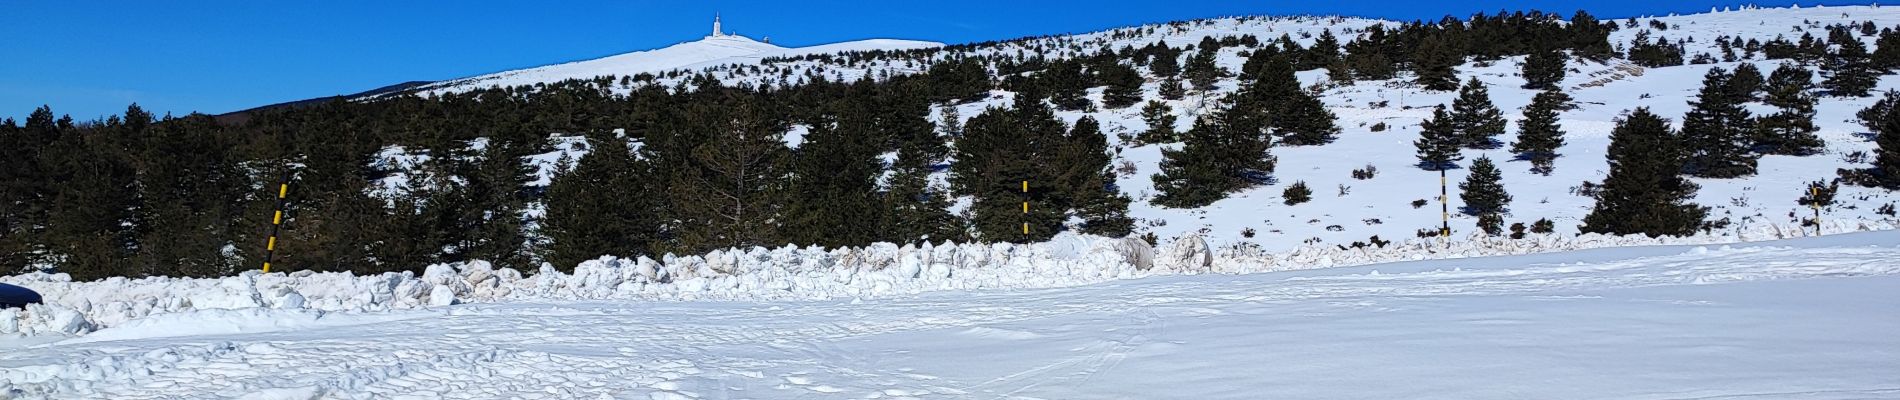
<point x="1809" y="318"/>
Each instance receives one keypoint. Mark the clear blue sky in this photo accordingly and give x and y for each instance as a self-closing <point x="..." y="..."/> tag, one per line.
<point x="92" y="58"/>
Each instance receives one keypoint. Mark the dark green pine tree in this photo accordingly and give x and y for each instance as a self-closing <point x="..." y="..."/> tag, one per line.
<point x="1088" y="170"/>
<point x="1436" y="64"/>
<point x="499" y="187"/>
<point x="1849" y="70"/>
<point x="1166" y="63"/>
<point x="1124" y="86"/>
<point x="1223" y="153"/>
<point x="1294" y="116"/>
<point x="917" y="210"/>
<point x="1544" y="69"/>
<point x="737" y="191"/>
<point x="1160" y="119"/>
<point x="1438" y="142"/>
<point x="1746" y="83"/>
<point x="1001" y="151"/>
<point x="1886" y="55"/>
<point x="192" y="179"/>
<point x="1645" y="192"/>
<point x="1791" y="129"/>
<point x="1066" y="85"/>
<point x="1201" y="70"/>
<point x="1172" y="89"/>
<point x="1483" y="190"/>
<point x="25" y="189"/>
<point x="1887" y="154"/>
<point x="1323" y="54"/>
<point x="1538" y="135"/>
<point x="1588" y="38"/>
<point x="833" y="198"/>
<point x="89" y="224"/>
<point x="1474" y="118"/>
<point x="1717" y="132"/>
<point x="601" y="206"/>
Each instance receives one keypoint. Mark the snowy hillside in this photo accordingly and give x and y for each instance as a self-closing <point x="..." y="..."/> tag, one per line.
<point x="1380" y="122"/>
<point x="1807" y="318"/>
<point x="711" y="51"/>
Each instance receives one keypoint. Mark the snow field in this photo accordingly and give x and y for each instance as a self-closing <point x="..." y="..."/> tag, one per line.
<point x="758" y="274"/>
<point x="1801" y="318"/>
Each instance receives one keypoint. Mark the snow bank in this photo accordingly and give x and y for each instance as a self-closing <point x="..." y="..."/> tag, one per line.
<point x="788" y="273"/>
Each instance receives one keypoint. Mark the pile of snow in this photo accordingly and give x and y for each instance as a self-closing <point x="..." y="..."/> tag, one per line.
<point x="788" y="273"/>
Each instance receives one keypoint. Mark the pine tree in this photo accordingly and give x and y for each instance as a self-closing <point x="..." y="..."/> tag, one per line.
<point x="1849" y="71"/>
<point x="89" y="218"/>
<point x="1438" y="142"/>
<point x="1223" y="153"/>
<point x="1323" y="54"/>
<point x="1644" y="192"/>
<point x="1716" y="133"/>
<point x="1066" y="85"/>
<point x="1887" y="154"/>
<point x="952" y="122"/>
<point x="1160" y="120"/>
<point x="1588" y="38"/>
<point x="1544" y="69"/>
<point x="602" y="206"/>
<point x="1886" y="55"/>
<point x="1538" y="135"/>
<point x="24" y="188"/>
<point x="1476" y="121"/>
<point x="1201" y="70"/>
<point x="192" y="179"/>
<point x="1791" y="130"/>
<point x="1294" y="116"/>
<point x="1436" y="63"/>
<point x="1124" y="86"/>
<point x="735" y="193"/>
<point x="916" y="210"/>
<point x="1746" y="83"/>
<point x="1296" y="193"/>
<point x="1483" y="190"/>
<point x="1172" y="89"/>
<point x="1002" y="150"/>
<point x="1166" y="63"/>
<point x="833" y="199"/>
<point x="1089" y="174"/>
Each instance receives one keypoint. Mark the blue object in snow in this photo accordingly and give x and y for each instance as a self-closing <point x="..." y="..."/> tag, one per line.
<point x="15" y="296"/>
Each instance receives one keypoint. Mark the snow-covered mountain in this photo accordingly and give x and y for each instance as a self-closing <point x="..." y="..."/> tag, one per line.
<point x="711" y="51"/>
<point x="1380" y="121"/>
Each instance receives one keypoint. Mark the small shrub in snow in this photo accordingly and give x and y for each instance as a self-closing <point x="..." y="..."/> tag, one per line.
<point x="1297" y="193"/>
<point x="1517" y="230"/>
<point x="1420" y="203"/>
<point x="1379" y="127"/>
<point x="1491" y="224"/>
<point x="1247" y="233"/>
<point x="1335" y="228"/>
<point x="1365" y="173"/>
<point x="1543" y="225"/>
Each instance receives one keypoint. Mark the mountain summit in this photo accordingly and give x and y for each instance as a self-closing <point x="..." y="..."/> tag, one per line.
<point x="718" y="48"/>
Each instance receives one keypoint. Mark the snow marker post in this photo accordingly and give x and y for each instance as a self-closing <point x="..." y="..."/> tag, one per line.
<point x="1025" y="208"/>
<point x="276" y="221"/>
<point x="1814" y="192"/>
<point x="1444" y="207"/>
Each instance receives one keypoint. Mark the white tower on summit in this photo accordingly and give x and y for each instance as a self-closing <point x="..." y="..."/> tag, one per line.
<point x="716" y="32"/>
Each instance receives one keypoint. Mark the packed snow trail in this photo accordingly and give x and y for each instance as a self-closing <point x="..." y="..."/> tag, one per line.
<point x="1806" y="318"/>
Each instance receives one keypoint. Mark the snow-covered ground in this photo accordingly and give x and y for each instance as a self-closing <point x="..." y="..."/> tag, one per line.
<point x="1808" y="318"/>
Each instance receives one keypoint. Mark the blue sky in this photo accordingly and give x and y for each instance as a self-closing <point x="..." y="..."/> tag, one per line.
<point x="92" y="58"/>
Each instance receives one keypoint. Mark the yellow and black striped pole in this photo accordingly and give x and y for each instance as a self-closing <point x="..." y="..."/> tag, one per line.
<point x="1025" y="208"/>
<point x="276" y="221"/>
<point x="1814" y="194"/>
<point x="1444" y="205"/>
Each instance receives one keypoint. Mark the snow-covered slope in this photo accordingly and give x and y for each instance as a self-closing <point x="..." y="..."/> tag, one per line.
<point x="708" y="52"/>
<point x="1808" y="318"/>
